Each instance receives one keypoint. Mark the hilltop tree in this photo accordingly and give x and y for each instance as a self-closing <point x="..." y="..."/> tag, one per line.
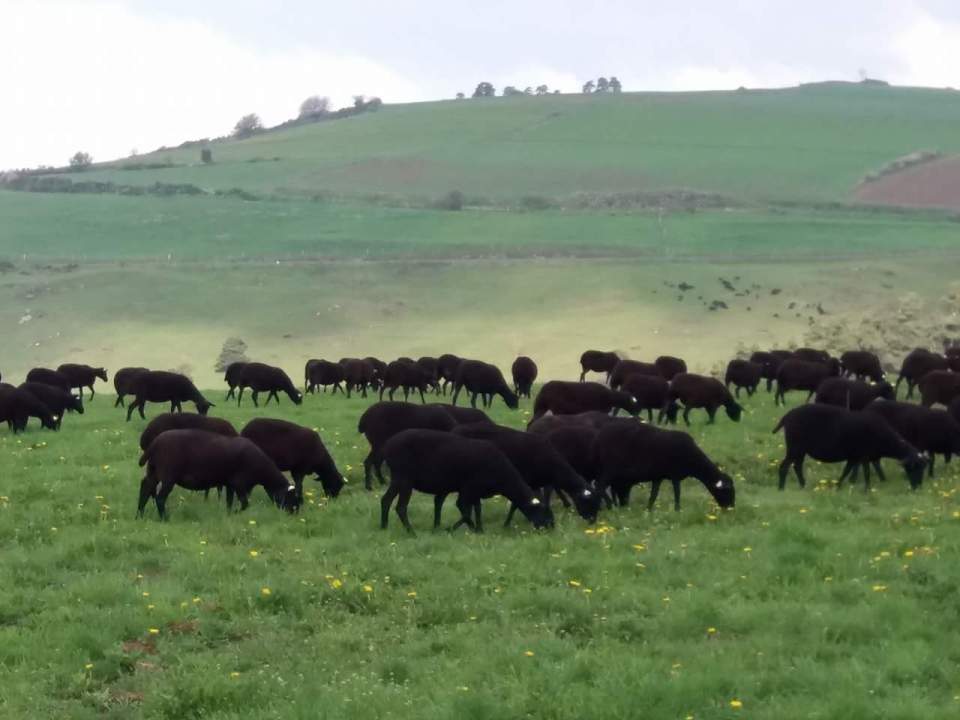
<point x="602" y="85"/>
<point x="314" y="106"/>
<point x="81" y="161"/>
<point x="460" y="96"/>
<point x="248" y="125"/>
<point x="484" y="89"/>
<point x="542" y="89"/>
<point x="511" y="91"/>
<point x="588" y="87"/>
<point x="615" y="85"/>
<point x="528" y="90"/>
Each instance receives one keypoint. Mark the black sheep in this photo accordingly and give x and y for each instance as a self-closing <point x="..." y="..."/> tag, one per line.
<point x="916" y="364"/>
<point x="379" y="370"/>
<point x="431" y="369"/>
<point x="771" y="363"/>
<point x="232" y="378"/>
<point x="82" y="376"/>
<point x="831" y="434"/>
<point x="266" y="378"/>
<point x="593" y="419"/>
<point x="954" y="409"/>
<point x="57" y="401"/>
<point x="405" y="374"/>
<point x="931" y="431"/>
<point x="939" y="386"/>
<point x="463" y="415"/>
<point x="447" y="366"/>
<point x="952" y="354"/>
<point x="812" y="355"/>
<point x="524" y="372"/>
<point x="699" y="391"/>
<point x="802" y="375"/>
<point x="321" y="373"/>
<point x="297" y="450"/>
<point x="625" y="368"/>
<point x="743" y="374"/>
<point x="851" y="394"/>
<point x="160" y="386"/>
<point x="861" y="364"/>
<point x="358" y="375"/>
<point x="670" y="366"/>
<point x="49" y="377"/>
<point x="440" y="463"/>
<point x="123" y="381"/>
<point x="632" y="453"/>
<point x="571" y="398"/>
<point x="485" y="380"/>
<point x="185" y="421"/>
<point x="17" y="406"/>
<point x="539" y="464"/>
<point x="576" y="444"/>
<point x="652" y="393"/>
<point x="382" y="420"/>
<point x="598" y="361"/>
<point x="199" y="460"/>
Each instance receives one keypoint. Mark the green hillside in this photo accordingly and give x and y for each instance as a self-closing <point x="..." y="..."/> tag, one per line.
<point x="810" y="143"/>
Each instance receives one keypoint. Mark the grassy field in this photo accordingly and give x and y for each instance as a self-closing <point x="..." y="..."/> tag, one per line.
<point x="814" y="604"/>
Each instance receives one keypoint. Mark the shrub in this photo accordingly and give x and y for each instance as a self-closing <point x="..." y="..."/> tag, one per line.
<point x="453" y="200"/>
<point x="81" y="161"/>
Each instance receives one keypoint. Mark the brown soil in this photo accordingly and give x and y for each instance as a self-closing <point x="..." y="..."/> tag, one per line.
<point x="934" y="184"/>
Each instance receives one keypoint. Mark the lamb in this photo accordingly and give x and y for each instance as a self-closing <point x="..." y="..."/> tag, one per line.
<point x="851" y="394"/>
<point x="49" y="377"/>
<point x="632" y="453"/>
<point x="743" y="374"/>
<point x="570" y="398"/>
<point x="57" y="401"/>
<point x="771" y="363"/>
<point x="123" y="381"/>
<point x="185" y="421"/>
<point x="699" y="391"/>
<point x="598" y="361"/>
<point x="266" y="378"/>
<point x="440" y="463"/>
<point x="625" y="368"/>
<point x="831" y="434"/>
<point x="524" y="371"/>
<point x="447" y="366"/>
<point x="297" y="450"/>
<point x="232" y="378"/>
<point x="939" y="386"/>
<point x="161" y="386"/>
<point x="322" y="373"/>
<point x="199" y="460"/>
<point x="861" y="364"/>
<point x="802" y="375"/>
<point x="485" y="380"/>
<point x="652" y="393"/>
<point x="17" y="406"/>
<point x="670" y="366"/>
<point x="82" y="376"/>
<point x="539" y="464"/>
<point x="930" y="431"/>
<point x="916" y="364"/>
<point x="405" y="374"/>
<point x="382" y="420"/>
<point x="358" y="375"/>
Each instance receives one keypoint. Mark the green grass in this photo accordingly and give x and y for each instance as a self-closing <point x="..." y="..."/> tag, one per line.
<point x="811" y="144"/>
<point x="824" y="603"/>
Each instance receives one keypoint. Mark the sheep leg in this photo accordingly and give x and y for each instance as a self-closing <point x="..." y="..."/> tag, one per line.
<point x="583" y="374"/>
<point x="783" y="470"/>
<point x="603" y="485"/>
<point x="438" y="501"/>
<point x="930" y="467"/>
<point x="92" y="392"/>
<point x="148" y="487"/>
<point x="565" y="501"/>
<point x="623" y="496"/>
<point x="298" y="484"/>
<point x="736" y="391"/>
<point x="423" y="400"/>
<point x="809" y="395"/>
<point x="650" y="415"/>
<point x="852" y="469"/>
<point x="119" y="401"/>
<point x="253" y="396"/>
<point x="456" y="393"/>
<point x="477" y="513"/>
<point x="510" y="512"/>
<point x="385" y="502"/>
<point x="390" y="394"/>
<point x="712" y="414"/>
<point x="473" y="400"/>
<point x="368" y="463"/>
<point x="654" y="491"/>
<point x="160" y="498"/>
<point x="686" y="416"/>
<point x="382" y="388"/>
<point x="879" y="470"/>
<point x="798" y="469"/>
<point x="230" y="394"/>
<point x="866" y="477"/>
<point x="229" y="498"/>
<point x="240" y="395"/>
<point x="676" y="495"/>
<point x="465" y="505"/>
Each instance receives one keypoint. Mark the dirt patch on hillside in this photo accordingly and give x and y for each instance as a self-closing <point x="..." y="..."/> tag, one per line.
<point x="934" y="184"/>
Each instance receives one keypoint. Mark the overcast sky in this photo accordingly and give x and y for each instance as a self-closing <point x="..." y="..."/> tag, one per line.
<point x="110" y="77"/>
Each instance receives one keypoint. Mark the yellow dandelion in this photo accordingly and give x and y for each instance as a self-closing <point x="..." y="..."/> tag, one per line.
<point x="336" y="584"/>
<point x="196" y="600"/>
<point x="251" y="522"/>
<point x="265" y="591"/>
<point x="574" y="583"/>
<point x="711" y="631"/>
<point x="254" y="553"/>
<point x="879" y="588"/>
<point x="153" y="631"/>
<point x="748" y="549"/>
<point x="412" y="594"/>
<point x="736" y="704"/>
<point x="908" y="553"/>
<point x="367" y="589"/>
<point x="88" y="666"/>
<point x="711" y="517"/>
<point x="529" y="653"/>
<point x="639" y="547"/>
<point x="234" y="674"/>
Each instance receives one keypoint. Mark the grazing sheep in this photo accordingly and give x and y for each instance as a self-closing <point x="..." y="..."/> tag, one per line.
<point x="440" y="463"/>
<point x="598" y="361"/>
<point x="916" y="364"/>
<point x="297" y="450"/>
<point x="358" y="375"/>
<point x="632" y="453"/>
<point x="539" y="464"/>
<point x="266" y="378"/>
<point x="939" y="386"/>
<point x="382" y="420"/>
<point x="771" y="364"/>
<point x="485" y="380"/>
<point x="431" y="370"/>
<point x="571" y="398"/>
<point x="49" y="377"/>
<point x="82" y="376"/>
<point x="930" y="431"/>
<point x="232" y="377"/>
<point x="699" y="391"/>
<point x="743" y="374"/>
<point x="852" y="394"/>
<point x="575" y="443"/>
<point x="199" y="460"/>
<point x="812" y="355"/>
<point x="447" y="366"/>
<point x="161" y="386"/>
<point x="652" y="393"/>
<point x="321" y="373"/>
<point x="861" y="364"/>
<point x="831" y="434"/>
<point x="463" y="415"/>
<point x="524" y="371"/>
<point x="802" y="375"/>
<point x="123" y="381"/>
<point x="593" y="419"/>
<point x="405" y="374"/>
<point x="185" y="421"/>
<point x="17" y="406"/>
<point x="379" y="370"/>
<point x="57" y="401"/>
<point x="670" y="366"/>
<point x="625" y="368"/>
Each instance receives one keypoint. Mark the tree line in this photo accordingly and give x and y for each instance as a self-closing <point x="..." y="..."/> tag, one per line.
<point x="600" y="85"/>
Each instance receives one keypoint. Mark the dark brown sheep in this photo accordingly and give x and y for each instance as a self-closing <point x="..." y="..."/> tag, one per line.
<point x="358" y="375"/>
<point x="954" y="409"/>
<point x="379" y="370"/>
<point x="802" y="375"/>
<point x="49" y="377"/>
<point x="852" y="394"/>
<point x="575" y="443"/>
<point x="269" y="379"/>
<point x="812" y="355"/>
<point x="431" y="370"/>
<point x="593" y="419"/>
<point x="524" y="371"/>
<point x="161" y="386"/>
<point x="447" y="366"/>
<point x="931" y="431"/>
<point x="323" y="373"/>
<point x="297" y="450"/>
<point x="916" y="364"/>
<point x="699" y="391"/>
<point x="463" y="415"/>
<point x="625" y="368"/>
<point x="570" y="398"/>
<point x="771" y="364"/>
<point x="123" y="380"/>
<point x="598" y="361"/>
<point x="82" y="376"/>
<point x="939" y="386"/>
<point x="652" y="393"/>
<point x="57" y="401"/>
<point x="405" y="374"/>
<point x="952" y="354"/>
<point x="484" y="380"/>
<point x="185" y="421"/>
<point x="199" y="460"/>
<point x="831" y="434"/>
<point x="382" y="420"/>
<point x="861" y="364"/>
<point x="232" y="378"/>
<point x="743" y="374"/>
<point x="17" y="406"/>
<point x="670" y="366"/>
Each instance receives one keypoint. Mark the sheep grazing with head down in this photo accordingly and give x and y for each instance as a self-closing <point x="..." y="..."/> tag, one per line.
<point x="405" y="374"/>
<point x="185" y="421"/>
<point x="743" y="374"/>
<point x="935" y="432"/>
<point x="483" y="380"/>
<point x="57" y="401"/>
<point x="571" y="398"/>
<point x="441" y="463"/>
<point x="852" y="394"/>
<point x="939" y="386"/>
<point x="699" y="391"/>
<point x="599" y="361"/>
<point x="916" y="365"/>
<point x="524" y="371"/>
<point x="17" y="406"/>
<point x="162" y="386"/>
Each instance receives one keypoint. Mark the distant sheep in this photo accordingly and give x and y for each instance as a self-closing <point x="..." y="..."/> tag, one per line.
<point x="266" y="378"/>
<point x="483" y="380"/>
<point x="699" y="391"/>
<point x="771" y="364"/>
<point x="323" y="374"/>
<point x="82" y="376"/>
<point x="447" y="366"/>
<point x="405" y="374"/>
<point x="17" y="406"/>
<point x="930" y="431"/>
<point x="652" y="393"/>
<point x="57" y="401"/>
<point x="123" y="382"/>
<point x="916" y="365"/>
<point x="797" y="374"/>
<point x="524" y="372"/>
<point x="232" y="378"/>
<point x="861" y="364"/>
<point x="359" y="375"/>
<point x="49" y="377"/>
<point x="570" y="398"/>
<point x="625" y="368"/>
<point x="161" y="387"/>
<point x="743" y="375"/>
<point x="598" y="361"/>
<point x="670" y="366"/>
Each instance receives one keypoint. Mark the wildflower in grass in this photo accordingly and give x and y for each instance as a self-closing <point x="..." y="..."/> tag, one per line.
<point x="146" y="594"/>
<point x="265" y="591"/>
<point x="574" y="583"/>
<point x="106" y="467"/>
<point x="529" y="653"/>
<point x="88" y="666"/>
<point x="711" y="517"/>
<point x="153" y="631"/>
<point x="748" y="549"/>
<point x="151" y="606"/>
<point x="736" y="704"/>
<point x="711" y="631"/>
<point x="196" y="600"/>
<point x="412" y="594"/>
<point x="908" y="553"/>
<point x="234" y="674"/>
<point x="254" y="553"/>
<point x="367" y="589"/>
<point x="336" y="583"/>
<point x="879" y="588"/>
<point x="251" y="522"/>
<point x="639" y="547"/>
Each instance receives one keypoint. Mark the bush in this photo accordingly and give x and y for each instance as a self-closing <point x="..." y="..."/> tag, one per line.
<point x="453" y="200"/>
<point x="248" y="125"/>
<point x="535" y="202"/>
<point x="81" y="161"/>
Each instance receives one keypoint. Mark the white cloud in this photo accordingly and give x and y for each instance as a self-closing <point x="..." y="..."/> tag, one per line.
<point x="98" y="77"/>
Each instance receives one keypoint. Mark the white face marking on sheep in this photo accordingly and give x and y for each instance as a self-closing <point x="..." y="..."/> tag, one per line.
<point x="534" y="502"/>
<point x="719" y="484"/>
<point x="587" y="493"/>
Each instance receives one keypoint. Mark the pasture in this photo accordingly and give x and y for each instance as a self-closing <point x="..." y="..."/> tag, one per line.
<point x="820" y="603"/>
